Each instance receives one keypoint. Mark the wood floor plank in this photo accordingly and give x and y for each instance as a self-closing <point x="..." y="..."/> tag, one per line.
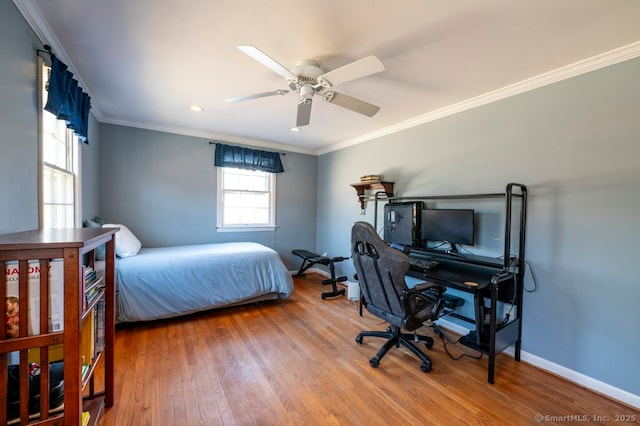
<point x="296" y="362"/>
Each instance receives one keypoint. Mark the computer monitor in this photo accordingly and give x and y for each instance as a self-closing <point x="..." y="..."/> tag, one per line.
<point x="454" y="226"/>
<point x="402" y="223"/>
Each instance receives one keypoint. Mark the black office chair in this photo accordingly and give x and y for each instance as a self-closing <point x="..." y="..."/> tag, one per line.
<point x="380" y="272"/>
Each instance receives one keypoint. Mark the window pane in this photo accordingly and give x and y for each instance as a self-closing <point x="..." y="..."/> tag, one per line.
<point x="58" y="216"/>
<point x="56" y="149"/>
<point x="58" y="167"/>
<point x="245" y="198"/>
<point x="248" y="180"/>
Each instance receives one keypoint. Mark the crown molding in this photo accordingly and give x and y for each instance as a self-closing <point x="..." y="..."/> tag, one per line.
<point x="612" y="57"/>
<point x="603" y="60"/>
<point x="257" y="143"/>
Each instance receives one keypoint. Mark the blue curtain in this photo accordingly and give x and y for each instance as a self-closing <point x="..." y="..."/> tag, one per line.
<point x="67" y="101"/>
<point x="245" y="158"/>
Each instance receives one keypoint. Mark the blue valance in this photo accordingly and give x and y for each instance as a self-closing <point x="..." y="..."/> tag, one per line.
<point x="246" y="158"/>
<point x="67" y="101"/>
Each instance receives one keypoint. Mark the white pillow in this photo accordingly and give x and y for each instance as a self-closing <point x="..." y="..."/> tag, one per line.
<point x="126" y="243"/>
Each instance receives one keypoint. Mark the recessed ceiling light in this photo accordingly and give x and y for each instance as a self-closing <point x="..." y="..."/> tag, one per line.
<point x="196" y="108"/>
<point x="294" y="129"/>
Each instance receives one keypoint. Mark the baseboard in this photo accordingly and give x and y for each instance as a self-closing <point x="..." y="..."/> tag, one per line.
<point x="321" y="272"/>
<point x="583" y="380"/>
<point x="573" y="376"/>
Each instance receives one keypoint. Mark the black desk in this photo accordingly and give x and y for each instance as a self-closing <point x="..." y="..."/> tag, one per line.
<point x="484" y="278"/>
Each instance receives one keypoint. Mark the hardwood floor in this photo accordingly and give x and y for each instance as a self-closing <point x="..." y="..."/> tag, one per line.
<point x="296" y="362"/>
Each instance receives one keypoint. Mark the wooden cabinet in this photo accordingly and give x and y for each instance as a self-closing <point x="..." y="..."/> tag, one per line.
<point x="39" y="249"/>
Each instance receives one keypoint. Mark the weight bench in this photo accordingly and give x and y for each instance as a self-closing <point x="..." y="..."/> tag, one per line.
<point x="309" y="259"/>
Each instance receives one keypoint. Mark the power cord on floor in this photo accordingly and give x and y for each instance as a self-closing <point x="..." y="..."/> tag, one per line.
<point x="445" y="339"/>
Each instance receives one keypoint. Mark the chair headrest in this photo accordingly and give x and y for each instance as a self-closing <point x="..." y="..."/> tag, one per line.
<point x="365" y="240"/>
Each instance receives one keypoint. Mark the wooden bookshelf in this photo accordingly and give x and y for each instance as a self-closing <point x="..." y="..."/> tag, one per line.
<point x="75" y="247"/>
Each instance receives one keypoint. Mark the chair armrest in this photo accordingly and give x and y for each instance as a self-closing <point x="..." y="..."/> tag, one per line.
<point x="422" y="296"/>
<point x="420" y="288"/>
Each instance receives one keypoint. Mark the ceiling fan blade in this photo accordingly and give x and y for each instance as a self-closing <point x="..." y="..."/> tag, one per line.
<point x="304" y="113"/>
<point x="358" y="69"/>
<point x="353" y="104"/>
<point x="267" y="61"/>
<point x="257" y="95"/>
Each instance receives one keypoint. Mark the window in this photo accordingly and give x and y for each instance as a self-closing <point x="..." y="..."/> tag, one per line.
<point x="59" y="168"/>
<point x="246" y="199"/>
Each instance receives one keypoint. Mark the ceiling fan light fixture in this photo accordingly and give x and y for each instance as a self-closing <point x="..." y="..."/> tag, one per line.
<point x="306" y="93"/>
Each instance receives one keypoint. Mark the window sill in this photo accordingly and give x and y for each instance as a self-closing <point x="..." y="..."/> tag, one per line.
<point x="245" y="228"/>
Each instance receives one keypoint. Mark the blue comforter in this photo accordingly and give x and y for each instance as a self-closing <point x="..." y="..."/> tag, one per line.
<point x="170" y="281"/>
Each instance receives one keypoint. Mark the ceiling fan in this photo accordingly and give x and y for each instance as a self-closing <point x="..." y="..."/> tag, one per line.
<point x="308" y="79"/>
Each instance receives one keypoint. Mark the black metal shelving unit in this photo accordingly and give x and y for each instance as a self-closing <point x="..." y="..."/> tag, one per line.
<point x="496" y="280"/>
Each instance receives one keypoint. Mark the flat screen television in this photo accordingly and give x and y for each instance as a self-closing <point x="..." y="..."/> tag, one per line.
<point x="402" y="223"/>
<point x="454" y="226"/>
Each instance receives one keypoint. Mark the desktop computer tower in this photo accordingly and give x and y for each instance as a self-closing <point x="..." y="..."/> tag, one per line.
<point x="402" y="222"/>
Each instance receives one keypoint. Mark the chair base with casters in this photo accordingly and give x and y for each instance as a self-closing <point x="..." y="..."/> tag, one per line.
<point x="396" y="338"/>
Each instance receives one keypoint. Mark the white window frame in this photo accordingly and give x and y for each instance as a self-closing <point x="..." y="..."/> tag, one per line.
<point x="222" y="192"/>
<point x="70" y="168"/>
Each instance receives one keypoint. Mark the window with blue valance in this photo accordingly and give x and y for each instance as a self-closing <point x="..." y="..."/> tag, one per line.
<point x="246" y="158"/>
<point x="67" y="101"/>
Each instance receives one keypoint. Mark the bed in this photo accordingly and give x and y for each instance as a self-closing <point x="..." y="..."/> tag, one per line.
<point x="167" y="282"/>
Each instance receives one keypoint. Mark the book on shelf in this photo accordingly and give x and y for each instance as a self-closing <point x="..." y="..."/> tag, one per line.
<point x="99" y="326"/>
<point x="370" y="178"/>
<point x="56" y="297"/>
<point x="93" y="291"/>
<point x="91" y="286"/>
<point x="85" y="418"/>
<point x="85" y="368"/>
<point x="87" y="342"/>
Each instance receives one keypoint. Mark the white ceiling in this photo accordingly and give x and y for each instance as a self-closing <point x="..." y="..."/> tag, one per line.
<point x="144" y="62"/>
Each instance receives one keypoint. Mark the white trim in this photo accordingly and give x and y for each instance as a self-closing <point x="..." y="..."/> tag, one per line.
<point x="605" y="59"/>
<point x="246" y="229"/>
<point x="220" y="199"/>
<point x="43" y="32"/>
<point x="257" y="143"/>
<point x="40" y="77"/>
<point x="77" y="184"/>
<point x="582" y="379"/>
<point x="563" y="372"/>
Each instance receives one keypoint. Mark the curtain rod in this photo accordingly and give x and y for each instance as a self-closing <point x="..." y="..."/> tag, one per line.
<point x="47" y="50"/>
<point x="216" y="143"/>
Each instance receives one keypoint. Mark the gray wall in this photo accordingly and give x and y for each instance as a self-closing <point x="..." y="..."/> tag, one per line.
<point x="163" y="187"/>
<point x="575" y="145"/>
<point x="18" y="122"/>
<point x="90" y="171"/>
<point x="19" y="128"/>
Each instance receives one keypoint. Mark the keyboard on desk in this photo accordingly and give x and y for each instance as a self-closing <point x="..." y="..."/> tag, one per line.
<point x="422" y="264"/>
